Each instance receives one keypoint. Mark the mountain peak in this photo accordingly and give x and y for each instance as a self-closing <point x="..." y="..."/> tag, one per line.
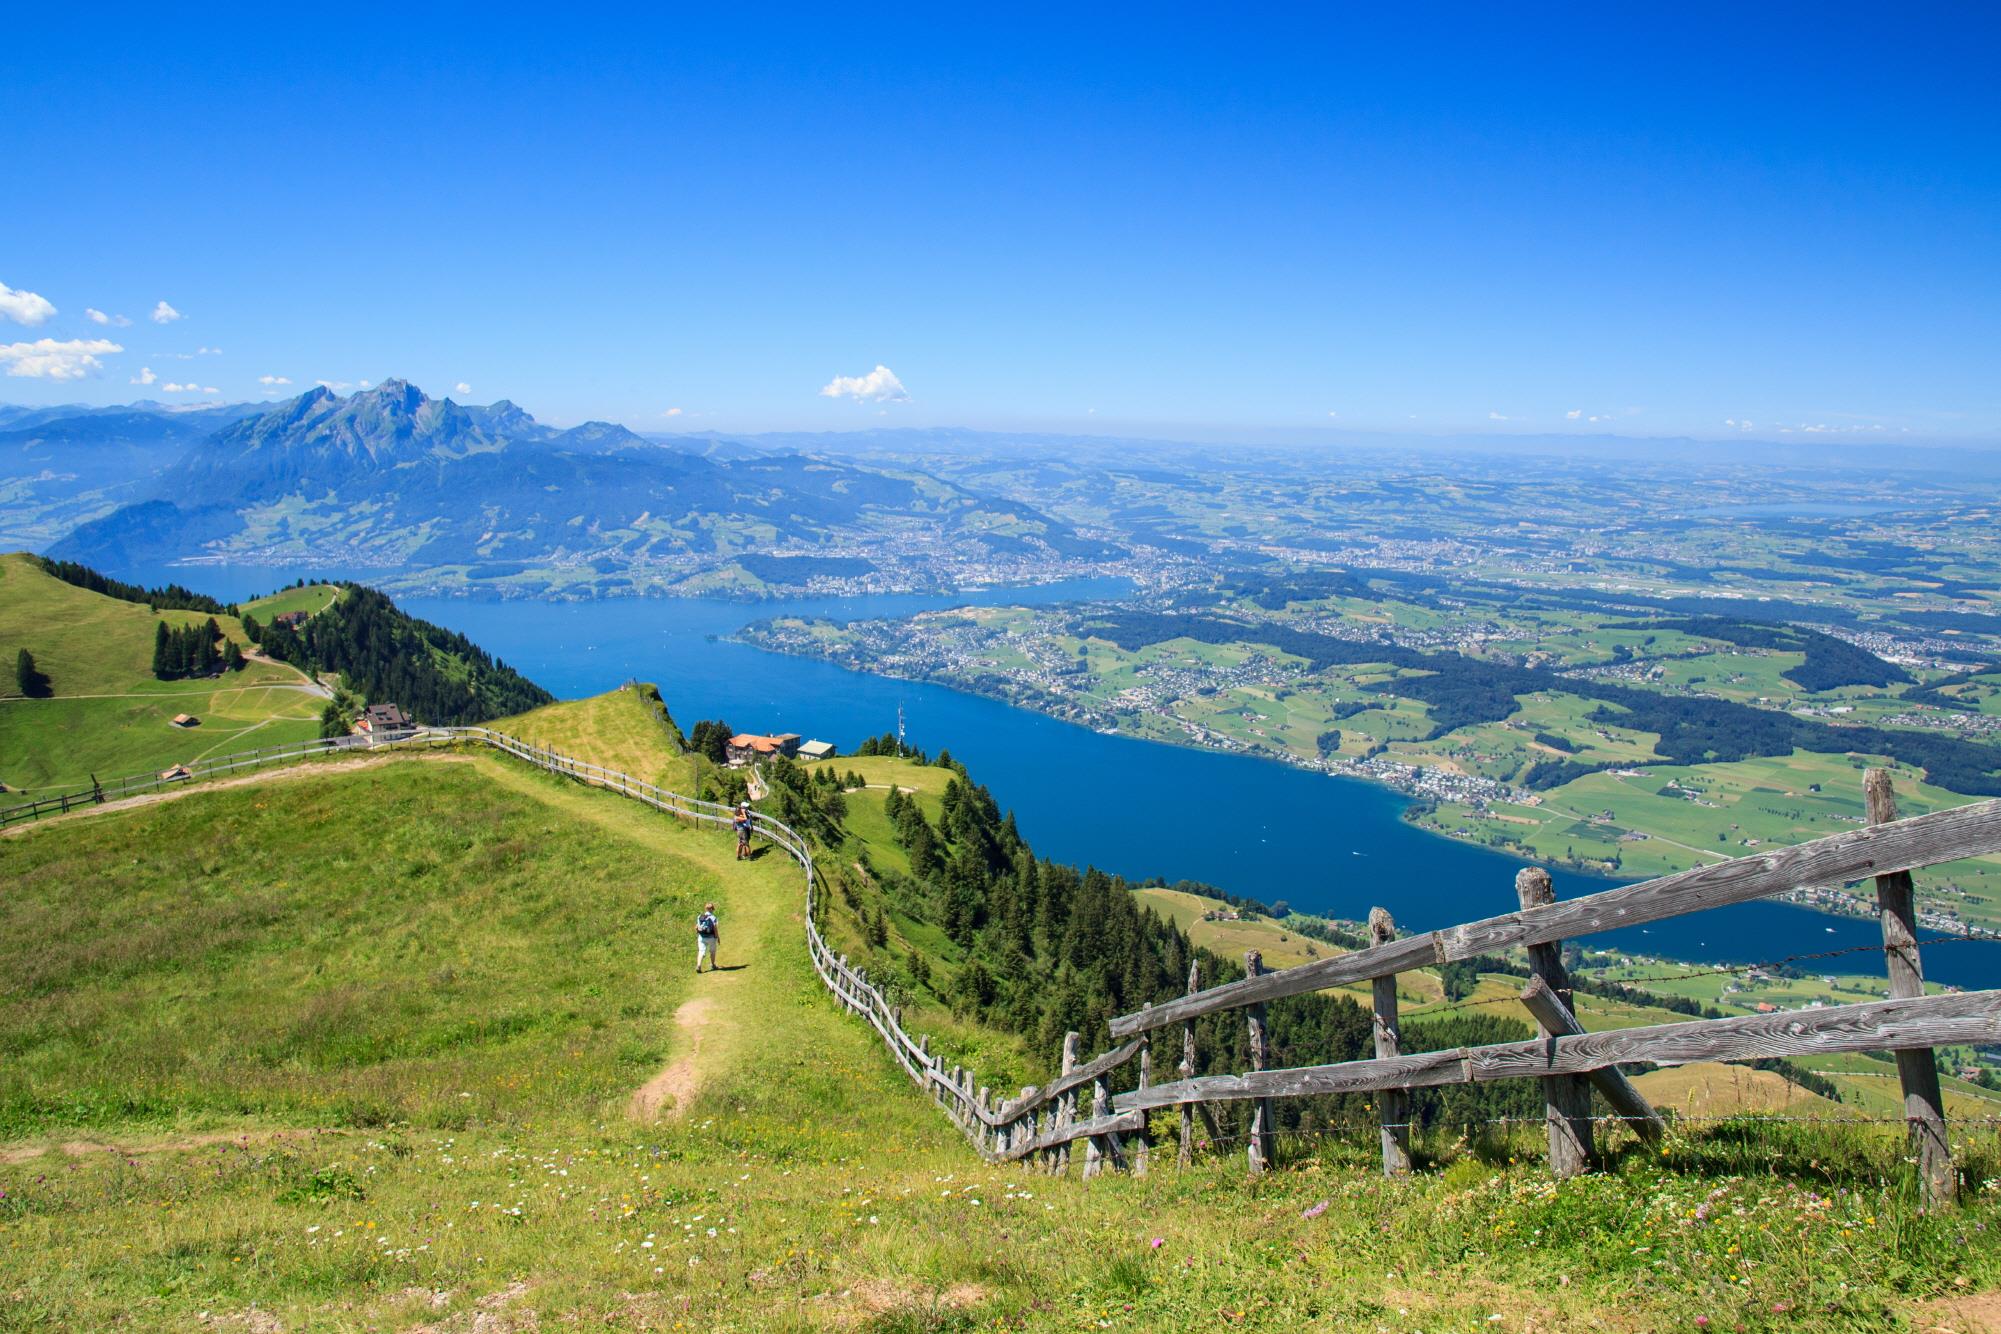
<point x="396" y="392"/>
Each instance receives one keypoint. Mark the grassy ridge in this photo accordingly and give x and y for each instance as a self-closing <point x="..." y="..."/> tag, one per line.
<point x="618" y="730"/>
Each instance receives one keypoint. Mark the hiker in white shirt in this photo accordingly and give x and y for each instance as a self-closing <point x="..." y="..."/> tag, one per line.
<point x="706" y="936"/>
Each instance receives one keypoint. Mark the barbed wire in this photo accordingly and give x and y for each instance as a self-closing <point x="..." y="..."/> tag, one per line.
<point x="1802" y="958"/>
<point x="1584" y="983"/>
<point x="1459" y="1127"/>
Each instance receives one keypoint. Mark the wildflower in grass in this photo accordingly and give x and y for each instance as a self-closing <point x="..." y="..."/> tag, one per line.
<point x="1315" y="1211"/>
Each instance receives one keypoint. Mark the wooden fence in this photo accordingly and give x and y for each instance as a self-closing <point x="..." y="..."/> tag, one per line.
<point x="195" y="771"/>
<point x="1570" y="1061"/>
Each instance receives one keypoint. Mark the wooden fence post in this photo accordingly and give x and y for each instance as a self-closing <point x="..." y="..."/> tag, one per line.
<point x="1392" y="1105"/>
<point x="1187" y="1070"/>
<point x="1095" y="1146"/>
<point x="1566" y="1098"/>
<point x="1258" y="1149"/>
<point x="1917" y="1068"/>
<point x="1612" y="1085"/>
<point x="1066" y="1104"/>
<point x="1142" y="1149"/>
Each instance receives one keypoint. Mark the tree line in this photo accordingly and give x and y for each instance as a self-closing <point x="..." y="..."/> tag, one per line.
<point x="1829" y="663"/>
<point x="172" y="597"/>
<point x="1460" y="692"/>
<point x="196" y="649"/>
<point x="1039" y="949"/>
<point x="388" y="656"/>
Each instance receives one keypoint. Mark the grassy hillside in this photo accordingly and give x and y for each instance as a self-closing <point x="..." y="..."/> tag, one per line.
<point x="626" y="730"/>
<point x="1704" y="1088"/>
<point x="369" y="1043"/>
<point x="360" y="972"/>
<point x="312" y="599"/>
<point x="1230" y="938"/>
<point x="109" y="715"/>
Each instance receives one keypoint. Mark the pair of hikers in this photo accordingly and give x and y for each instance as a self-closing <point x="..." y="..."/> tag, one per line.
<point x="741" y="823"/>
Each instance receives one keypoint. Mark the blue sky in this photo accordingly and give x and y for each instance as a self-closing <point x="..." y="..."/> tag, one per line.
<point x="1191" y="222"/>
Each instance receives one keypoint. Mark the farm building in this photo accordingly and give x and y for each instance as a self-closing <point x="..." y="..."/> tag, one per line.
<point x="378" y="718"/>
<point x="186" y="720"/>
<point x="816" y="750"/>
<point x="748" y="747"/>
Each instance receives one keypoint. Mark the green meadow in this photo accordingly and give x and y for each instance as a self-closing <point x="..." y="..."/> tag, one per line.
<point x="108" y="716"/>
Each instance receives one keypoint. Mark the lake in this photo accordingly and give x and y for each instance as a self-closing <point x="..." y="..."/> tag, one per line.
<point x="1136" y="808"/>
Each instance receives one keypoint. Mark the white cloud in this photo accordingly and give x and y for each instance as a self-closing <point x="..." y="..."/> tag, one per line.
<point x="46" y="359"/>
<point x="878" y="386"/>
<point x="671" y="412"/>
<point x="1333" y="414"/>
<point x="364" y="384"/>
<point x="274" y="379"/>
<point x="208" y="351"/>
<point x="145" y="376"/>
<point x="24" y="307"/>
<point x="461" y="388"/>
<point x="1496" y="417"/>
<point x="1574" y="414"/>
<point x="336" y="385"/>
<point x="165" y="314"/>
<point x="97" y="316"/>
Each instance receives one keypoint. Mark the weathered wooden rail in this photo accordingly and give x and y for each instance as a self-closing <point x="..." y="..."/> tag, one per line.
<point x="1568" y="1060"/>
<point x="1906" y="845"/>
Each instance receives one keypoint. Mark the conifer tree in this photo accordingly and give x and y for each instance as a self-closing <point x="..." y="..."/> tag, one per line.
<point x="33" y="684"/>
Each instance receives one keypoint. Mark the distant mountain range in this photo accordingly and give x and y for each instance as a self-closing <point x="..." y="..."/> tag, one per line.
<point x="390" y="477"/>
<point x="60" y="467"/>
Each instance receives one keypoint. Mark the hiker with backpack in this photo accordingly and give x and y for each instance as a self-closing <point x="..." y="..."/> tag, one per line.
<point x="706" y="936"/>
<point x="741" y="823"/>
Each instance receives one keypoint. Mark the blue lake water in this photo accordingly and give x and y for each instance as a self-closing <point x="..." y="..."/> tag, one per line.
<point x="1135" y="808"/>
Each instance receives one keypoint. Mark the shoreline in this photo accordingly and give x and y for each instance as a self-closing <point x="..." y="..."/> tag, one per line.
<point x="1821" y="900"/>
<point x="401" y="581"/>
